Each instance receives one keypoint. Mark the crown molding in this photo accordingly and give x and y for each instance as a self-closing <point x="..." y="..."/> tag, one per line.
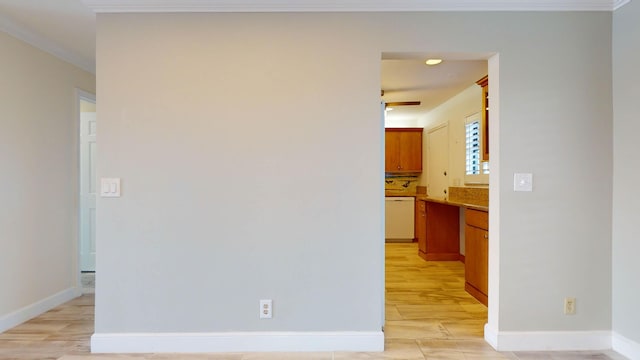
<point x="619" y="3"/>
<point x="22" y="33"/>
<point x="128" y="6"/>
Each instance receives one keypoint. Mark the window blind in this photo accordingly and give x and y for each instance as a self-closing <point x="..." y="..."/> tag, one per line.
<point x="473" y="161"/>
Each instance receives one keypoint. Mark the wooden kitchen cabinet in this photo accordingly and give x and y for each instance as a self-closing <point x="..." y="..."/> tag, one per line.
<point x="476" y="264"/>
<point x="403" y="150"/>
<point x="421" y="226"/>
<point x="442" y="232"/>
<point x="484" y="84"/>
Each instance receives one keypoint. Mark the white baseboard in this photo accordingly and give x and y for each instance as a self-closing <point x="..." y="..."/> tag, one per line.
<point x="625" y="346"/>
<point x="237" y="342"/>
<point x="30" y="311"/>
<point x="548" y="340"/>
<point x="491" y="336"/>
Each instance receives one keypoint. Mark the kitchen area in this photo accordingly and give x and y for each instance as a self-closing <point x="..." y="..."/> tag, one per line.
<point x="437" y="165"/>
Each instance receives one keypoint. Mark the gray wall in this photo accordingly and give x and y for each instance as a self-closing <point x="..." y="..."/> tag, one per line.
<point x="38" y="173"/>
<point x="626" y="92"/>
<point x="249" y="146"/>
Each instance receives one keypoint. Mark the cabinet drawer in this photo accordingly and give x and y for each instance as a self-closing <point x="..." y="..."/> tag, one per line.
<point x="477" y="218"/>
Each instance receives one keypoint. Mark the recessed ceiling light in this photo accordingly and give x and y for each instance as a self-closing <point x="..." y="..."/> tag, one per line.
<point x="433" y="61"/>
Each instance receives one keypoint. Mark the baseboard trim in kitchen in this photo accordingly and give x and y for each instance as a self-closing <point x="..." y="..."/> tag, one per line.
<point x="549" y="340"/>
<point x="39" y="307"/>
<point x="625" y="346"/>
<point x="237" y="342"/>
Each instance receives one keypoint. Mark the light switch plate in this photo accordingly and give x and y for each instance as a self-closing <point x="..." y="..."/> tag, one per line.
<point x="110" y="187"/>
<point x="522" y="182"/>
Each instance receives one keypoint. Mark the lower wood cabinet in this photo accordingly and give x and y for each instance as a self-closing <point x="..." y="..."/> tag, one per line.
<point x="421" y="226"/>
<point x="440" y="239"/>
<point x="476" y="264"/>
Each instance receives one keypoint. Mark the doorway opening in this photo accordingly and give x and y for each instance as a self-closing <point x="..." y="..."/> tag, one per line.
<point x="427" y="298"/>
<point x="87" y="122"/>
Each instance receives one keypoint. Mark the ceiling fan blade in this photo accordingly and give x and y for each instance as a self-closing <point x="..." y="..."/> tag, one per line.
<point x="402" y="103"/>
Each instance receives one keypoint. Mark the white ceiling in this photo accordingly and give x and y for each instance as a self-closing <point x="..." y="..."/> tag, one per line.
<point x="350" y="5"/>
<point x="67" y="29"/>
<point x="408" y="78"/>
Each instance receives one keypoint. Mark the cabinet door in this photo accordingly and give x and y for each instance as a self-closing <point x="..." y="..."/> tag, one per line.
<point x="421" y="226"/>
<point x="484" y="84"/>
<point x="403" y="150"/>
<point x="477" y="258"/>
<point x="443" y="232"/>
<point x="392" y="151"/>
<point x="411" y="151"/>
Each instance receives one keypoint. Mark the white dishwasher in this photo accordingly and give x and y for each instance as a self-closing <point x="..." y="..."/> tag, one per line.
<point x="399" y="218"/>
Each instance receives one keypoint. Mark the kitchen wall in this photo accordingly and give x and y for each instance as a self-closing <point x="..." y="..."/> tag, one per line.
<point x="626" y="92"/>
<point x="453" y="111"/>
<point x="288" y="104"/>
<point x="39" y="176"/>
<point x="401" y="123"/>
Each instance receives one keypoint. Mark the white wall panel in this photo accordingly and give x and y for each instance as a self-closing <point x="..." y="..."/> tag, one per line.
<point x="626" y="91"/>
<point x="248" y="149"/>
<point x="38" y="173"/>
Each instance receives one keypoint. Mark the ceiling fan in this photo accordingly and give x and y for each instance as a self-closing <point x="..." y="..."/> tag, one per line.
<point x="398" y="103"/>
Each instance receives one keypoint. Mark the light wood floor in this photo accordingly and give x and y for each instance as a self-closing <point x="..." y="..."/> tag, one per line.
<point x="429" y="316"/>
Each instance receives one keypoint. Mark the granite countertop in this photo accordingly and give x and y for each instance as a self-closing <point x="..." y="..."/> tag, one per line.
<point x="399" y="193"/>
<point x="453" y="203"/>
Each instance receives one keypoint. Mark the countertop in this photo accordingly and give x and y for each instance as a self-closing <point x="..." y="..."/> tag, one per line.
<point x="400" y="193"/>
<point x="453" y="203"/>
<point x="424" y="197"/>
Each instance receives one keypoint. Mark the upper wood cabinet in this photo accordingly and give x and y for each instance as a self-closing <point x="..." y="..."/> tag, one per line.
<point x="484" y="84"/>
<point x="403" y="150"/>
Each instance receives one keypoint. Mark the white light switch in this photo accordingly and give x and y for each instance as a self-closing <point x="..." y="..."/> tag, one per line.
<point x="110" y="187"/>
<point x="522" y="182"/>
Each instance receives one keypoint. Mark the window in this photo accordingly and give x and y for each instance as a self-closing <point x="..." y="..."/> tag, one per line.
<point x="476" y="170"/>
<point x="473" y="147"/>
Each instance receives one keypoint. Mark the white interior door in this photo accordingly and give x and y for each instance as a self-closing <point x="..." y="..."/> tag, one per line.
<point x="87" y="186"/>
<point x="438" y="162"/>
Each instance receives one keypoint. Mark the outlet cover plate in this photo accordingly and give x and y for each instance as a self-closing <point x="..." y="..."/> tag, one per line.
<point x="266" y="309"/>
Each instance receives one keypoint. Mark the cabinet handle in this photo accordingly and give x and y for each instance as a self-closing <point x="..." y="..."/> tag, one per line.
<point x="486" y="236"/>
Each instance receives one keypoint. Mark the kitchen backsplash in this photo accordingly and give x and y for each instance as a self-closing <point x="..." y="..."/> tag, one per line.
<point x="401" y="184"/>
<point x="469" y="195"/>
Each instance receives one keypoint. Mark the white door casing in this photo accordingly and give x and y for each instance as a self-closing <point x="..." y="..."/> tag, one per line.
<point x="381" y="241"/>
<point x="87" y="191"/>
<point x="438" y="162"/>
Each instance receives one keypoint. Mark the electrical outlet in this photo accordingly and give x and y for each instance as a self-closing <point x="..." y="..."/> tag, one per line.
<point x="569" y="306"/>
<point x="266" y="309"/>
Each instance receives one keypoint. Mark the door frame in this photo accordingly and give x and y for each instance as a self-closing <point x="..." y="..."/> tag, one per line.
<point x="492" y="326"/>
<point x="79" y="95"/>
<point x="427" y="141"/>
